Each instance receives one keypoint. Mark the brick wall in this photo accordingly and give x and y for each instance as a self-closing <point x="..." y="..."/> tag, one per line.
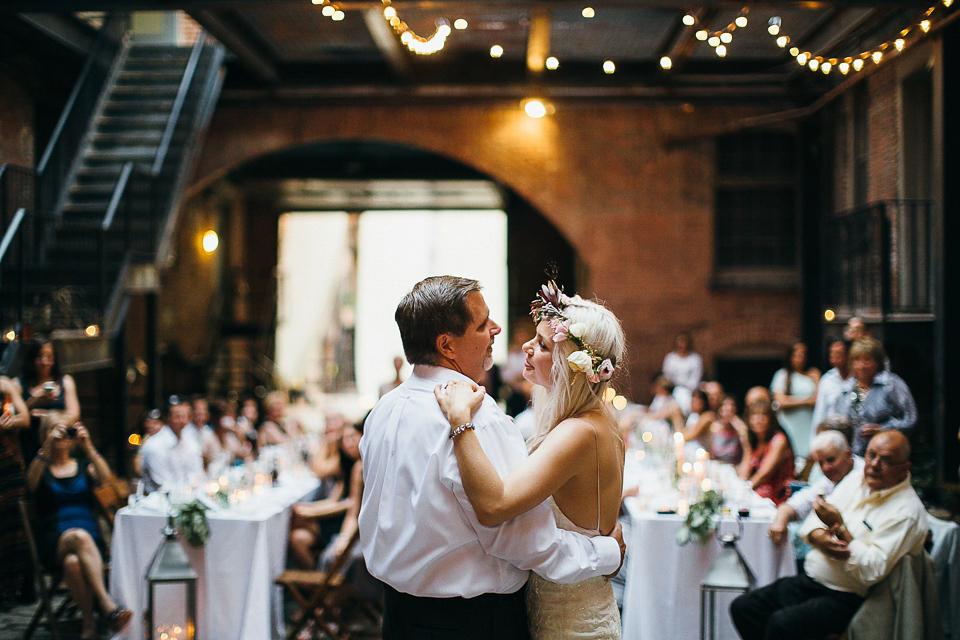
<point x="636" y="205"/>
<point x="16" y="124"/>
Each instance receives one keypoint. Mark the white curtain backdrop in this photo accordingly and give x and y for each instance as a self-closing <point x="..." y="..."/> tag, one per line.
<point x="397" y="250"/>
<point x="310" y="256"/>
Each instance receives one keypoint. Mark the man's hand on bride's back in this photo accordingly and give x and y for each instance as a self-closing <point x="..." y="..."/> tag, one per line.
<point x="617" y="534"/>
<point x="459" y="400"/>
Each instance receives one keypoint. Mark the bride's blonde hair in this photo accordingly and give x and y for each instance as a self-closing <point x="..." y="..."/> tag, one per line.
<point x="572" y="393"/>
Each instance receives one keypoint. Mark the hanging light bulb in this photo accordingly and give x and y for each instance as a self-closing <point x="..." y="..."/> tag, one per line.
<point x="802" y="58"/>
<point x="389" y="12"/>
<point x="721" y="51"/>
<point x="666" y="63"/>
<point x="702" y="34"/>
<point x="843" y="67"/>
<point x="947" y="3"/>
<point x="877" y="57"/>
<point x="825" y="67"/>
<point x="588" y="12"/>
<point x="794" y="51"/>
<point x="741" y="21"/>
<point x="858" y="64"/>
<point x="609" y="67"/>
<point x="925" y="25"/>
<point x="459" y="24"/>
<point x="899" y="44"/>
<point x="814" y="63"/>
<point x="726" y="37"/>
<point x="713" y="41"/>
<point x="783" y="41"/>
<point x="552" y="63"/>
<point x="338" y="15"/>
<point x="773" y="25"/>
<point x="689" y="20"/>
<point x="328" y="10"/>
<point x="496" y="51"/>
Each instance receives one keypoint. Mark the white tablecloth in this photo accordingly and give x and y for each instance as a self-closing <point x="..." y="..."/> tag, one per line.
<point x="662" y="594"/>
<point x="236" y="597"/>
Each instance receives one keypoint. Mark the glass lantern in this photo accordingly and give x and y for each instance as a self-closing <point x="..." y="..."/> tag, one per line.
<point x="729" y="575"/>
<point x="171" y="592"/>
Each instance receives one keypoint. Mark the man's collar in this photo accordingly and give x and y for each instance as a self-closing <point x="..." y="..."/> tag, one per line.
<point x="881" y="494"/>
<point x="434" y="374"/>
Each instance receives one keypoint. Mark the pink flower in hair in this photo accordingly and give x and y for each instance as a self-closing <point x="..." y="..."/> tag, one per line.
<point x="593" y="377"/>
<point x="560" y="329"/>
<point x="606" y="370"/>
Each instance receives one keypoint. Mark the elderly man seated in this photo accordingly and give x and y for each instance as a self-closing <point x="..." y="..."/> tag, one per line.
<point x="872" y="519"/>
<point x="832" y="452"/>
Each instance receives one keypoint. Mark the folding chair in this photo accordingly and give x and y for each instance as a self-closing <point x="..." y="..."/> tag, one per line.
<point x="316" y="591"/>
<point x="111" y="495"/>
<point x="48" y="582"/>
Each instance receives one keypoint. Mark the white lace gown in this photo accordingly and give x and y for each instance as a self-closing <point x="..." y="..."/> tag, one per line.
<point x="584" y="609"/>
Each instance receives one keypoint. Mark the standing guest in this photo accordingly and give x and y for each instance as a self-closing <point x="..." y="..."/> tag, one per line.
<point x="831" y="384"/>
<point x="794" y="390"/>
<point x="715" y="394"/>
<point x="768" y="457"/>
<point x="172" y="456"/>
<point x="387" y="387"/>
<point x="14" y="570"/>
<point x="697" y="425"/>
<point x="871" y="520"/>
<point x="277" y="426"/>
<point x="44" y="388"/>
<point x="68" y="536"/>
<point x="855" y="329"/>
<point x="683" y="366"/>
<point x="728" y="434"/>
<point x="873" y="398"/>
<point x="446" y="575"/>
<point x="757" y="394"/>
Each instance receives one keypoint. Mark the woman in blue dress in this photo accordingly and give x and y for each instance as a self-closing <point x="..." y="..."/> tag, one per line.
<point x="67" y="533"/>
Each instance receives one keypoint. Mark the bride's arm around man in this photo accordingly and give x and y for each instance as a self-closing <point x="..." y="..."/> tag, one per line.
<point x="445" y="574"/>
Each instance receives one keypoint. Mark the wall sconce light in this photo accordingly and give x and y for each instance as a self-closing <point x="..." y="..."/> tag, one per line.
<point x="210" y="241"/>
<point x="537" y="108"/>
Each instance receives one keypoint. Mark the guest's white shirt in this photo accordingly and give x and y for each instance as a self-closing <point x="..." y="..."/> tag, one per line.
<point x="886" y="525"/>
<point x="802" y="500"/>
<point x="828" y="391"/>
<point x="419" y="532"/>
<point x="169" y="460"/>
<point x="685" y="371"/>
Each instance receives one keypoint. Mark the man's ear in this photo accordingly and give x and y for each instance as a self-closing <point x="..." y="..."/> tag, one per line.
<point x="445" y="346"/>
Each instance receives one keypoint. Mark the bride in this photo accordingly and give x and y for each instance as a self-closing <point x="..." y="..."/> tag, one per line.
<point x="576" y="454"/>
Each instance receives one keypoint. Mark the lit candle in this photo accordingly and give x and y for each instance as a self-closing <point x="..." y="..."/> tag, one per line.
<point x="682" y="507"/>
<point x="698" y="471"/>
<point x="678" y="447"/>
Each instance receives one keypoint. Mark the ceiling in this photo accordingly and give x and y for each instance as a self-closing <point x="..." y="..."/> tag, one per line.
<point x="288" y="49"/>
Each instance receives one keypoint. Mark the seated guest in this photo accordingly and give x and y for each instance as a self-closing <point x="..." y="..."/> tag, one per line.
<point x="872" y="519"/>
<point x="728" y="434"/>
<point x="873" y="398"/>
<point x="248" y="422"/>
<point x="715" y="393"/>
<point x="315" y="523"/>
<point x="150" y="424"/>
<point x="757" y="394"/>
<point x="768" y="457"/>
<point x="697" y="426"/>
<point x="67" y="534"/>
<point x="664" y="406"/>
<point x="277" y="426"/>
<point x="831" y="450"/>
<point x="326" y="461"/>
<point x="218" y="441"/>
<point x="172" y="456"/>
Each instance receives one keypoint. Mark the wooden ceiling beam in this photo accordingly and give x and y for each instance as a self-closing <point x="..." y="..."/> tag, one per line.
<point x="250" y="56"/>
<point x="388" y="43"/>
<point x="538" y="40"/>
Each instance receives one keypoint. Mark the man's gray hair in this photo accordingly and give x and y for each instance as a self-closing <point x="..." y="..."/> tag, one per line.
<point x="830" y="440"/>
<point x="434" y="306"/>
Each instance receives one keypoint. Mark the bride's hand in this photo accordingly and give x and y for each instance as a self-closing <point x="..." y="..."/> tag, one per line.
<point x="459" y="400"/>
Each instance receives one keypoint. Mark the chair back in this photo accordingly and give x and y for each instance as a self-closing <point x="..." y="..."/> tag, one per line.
<point x="111" y="495"/>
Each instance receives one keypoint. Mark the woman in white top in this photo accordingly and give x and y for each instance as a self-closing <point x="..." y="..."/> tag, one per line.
<point x="576" y="454"/>
<point x="683" y="366"/>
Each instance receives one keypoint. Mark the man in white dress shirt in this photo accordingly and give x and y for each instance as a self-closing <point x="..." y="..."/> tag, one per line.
<point x="830" y="387"/>
<point x="445" y="574"/>
<point x="871" y="520"/>
<point x="172" y="455"/>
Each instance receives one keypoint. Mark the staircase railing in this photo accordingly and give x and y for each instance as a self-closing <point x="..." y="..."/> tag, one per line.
<point x="877" y="260"/>
<point x="59" y="158"/>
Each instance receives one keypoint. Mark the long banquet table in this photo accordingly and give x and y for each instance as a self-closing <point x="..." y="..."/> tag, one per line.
<point x="236" y="596"/>
<point x="662" y="592"/>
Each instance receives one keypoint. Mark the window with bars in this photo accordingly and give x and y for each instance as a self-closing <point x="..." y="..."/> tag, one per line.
<point x="756" y="203"/>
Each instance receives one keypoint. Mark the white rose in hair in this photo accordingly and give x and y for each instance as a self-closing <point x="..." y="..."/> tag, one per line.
<point x="580" y="361"/>
<point x="577" y="329"/>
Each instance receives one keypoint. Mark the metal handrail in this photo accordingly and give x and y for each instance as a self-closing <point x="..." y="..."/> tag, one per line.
<point x="12" y="229"/>
<point x="117" y="195"/>
<point x="174" y="116"/>
<point x="94" y="52"/>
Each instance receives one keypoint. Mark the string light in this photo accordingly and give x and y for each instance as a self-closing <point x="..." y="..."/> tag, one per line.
<point x="666" y="63"/>
<point x="588" y="12"/>
<point x="460" y="24"/>
<point x="552" y="63"/>
<point x="496" y="51"/>
<point x="856" y="62"/>
<point x="717" y="39"/>
<point x="409" y="38"/>
<point x="609" y="67"/>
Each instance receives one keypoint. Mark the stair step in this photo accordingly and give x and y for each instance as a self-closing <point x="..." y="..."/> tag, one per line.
<point x="133" y="120"/>
<point x="127" y="136"/>
<point x="151" y="76"/>
<point x="134" y="107"/>
<point x="123" y="155"/>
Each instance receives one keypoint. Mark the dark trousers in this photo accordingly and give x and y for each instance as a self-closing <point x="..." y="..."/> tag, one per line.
<point x="794" y="608"/>
<point x="490" y="616"/>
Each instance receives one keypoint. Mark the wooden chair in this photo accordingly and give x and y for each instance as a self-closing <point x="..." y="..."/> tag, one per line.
<point x="321" y="595"/>
<point x="48" y="583"/>
<point x="111" y="495"/>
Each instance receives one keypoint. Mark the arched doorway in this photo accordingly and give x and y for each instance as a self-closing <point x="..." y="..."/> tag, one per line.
<point x="354" y="179"/>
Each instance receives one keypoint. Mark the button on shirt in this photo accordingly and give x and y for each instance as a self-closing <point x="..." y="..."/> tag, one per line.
<point x="418" y="531"/>
<point x="169" y="460"/>
<point x="886" y="525"/>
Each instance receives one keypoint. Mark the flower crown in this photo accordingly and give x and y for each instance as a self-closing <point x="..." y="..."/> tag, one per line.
<point x="549" y="306"/>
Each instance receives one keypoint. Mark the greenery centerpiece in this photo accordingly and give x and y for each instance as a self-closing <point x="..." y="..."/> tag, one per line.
<point x="701" y="519"/>
<point x="191" y="519"/>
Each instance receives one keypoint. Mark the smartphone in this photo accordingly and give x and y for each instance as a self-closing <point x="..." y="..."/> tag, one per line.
<point x="49" y="386"/>
<point x="71" y="432"/>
